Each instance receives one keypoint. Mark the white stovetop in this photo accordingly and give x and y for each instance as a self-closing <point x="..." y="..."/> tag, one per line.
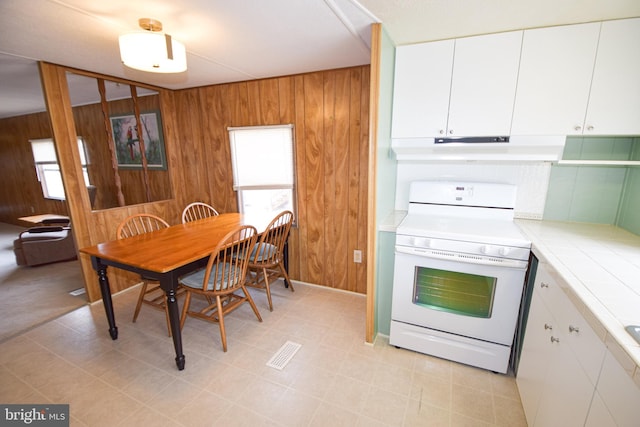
<point x="601" y="264"/>
<point x="482" y="230"/>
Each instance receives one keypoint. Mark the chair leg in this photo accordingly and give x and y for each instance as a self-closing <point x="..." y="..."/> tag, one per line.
<point x="223" y="334"/>
<point x="143" y="291"/>
<point x="185" y="308"/>
<point x="251" y="303"/>
<point x="267" y="288"/>
<point x="286" y="276"/>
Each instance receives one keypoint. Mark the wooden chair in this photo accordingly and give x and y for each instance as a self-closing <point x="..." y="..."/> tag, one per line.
<point x="197" y="210"/>
<point x="150" y="294"/>
<point x="266" y="263"/>
<point x="224" y="276"/>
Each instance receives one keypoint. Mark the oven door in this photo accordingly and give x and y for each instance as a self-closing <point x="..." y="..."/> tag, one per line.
<point x="464" y="298"/>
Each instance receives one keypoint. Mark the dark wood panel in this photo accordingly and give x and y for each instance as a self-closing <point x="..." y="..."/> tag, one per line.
<point x="329" y="111"/>
<point x="344" y="259"/>
<point x="313" y="169"/>
<point x="363" y="182"/>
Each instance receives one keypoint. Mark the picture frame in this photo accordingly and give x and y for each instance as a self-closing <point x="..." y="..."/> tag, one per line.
<point x="125" y="138"/>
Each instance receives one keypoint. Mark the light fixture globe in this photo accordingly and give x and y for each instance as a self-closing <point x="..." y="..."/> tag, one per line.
<point x="152" y="50"/>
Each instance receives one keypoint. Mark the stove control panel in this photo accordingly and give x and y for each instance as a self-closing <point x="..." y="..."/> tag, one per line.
<point x="472" y="248"/>
<point x="490" y="195"/>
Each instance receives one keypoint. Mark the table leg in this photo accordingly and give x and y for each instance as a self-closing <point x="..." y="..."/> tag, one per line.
<point x="105" y="290"/>
<point x="174" y="320"/>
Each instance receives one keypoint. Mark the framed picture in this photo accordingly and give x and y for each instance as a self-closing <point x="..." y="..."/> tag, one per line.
<point x="127" y="141"/>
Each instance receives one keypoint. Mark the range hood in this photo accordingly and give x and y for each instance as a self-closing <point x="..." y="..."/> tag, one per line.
<point x="489" y="148"/>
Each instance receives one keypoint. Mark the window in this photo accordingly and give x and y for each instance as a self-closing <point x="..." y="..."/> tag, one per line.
<point x="263" y="171"/>
<point x="48" y="169"/>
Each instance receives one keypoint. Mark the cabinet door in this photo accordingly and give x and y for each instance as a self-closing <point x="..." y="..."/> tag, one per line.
<point x="619" y="392"/>
<point x="599" y="415"/>
<point x="421" y="89"/>
<point x="554" y="79"/>
<point x="535" y="357"/>
<point x="614" y="103"/>
<point x="587" y="347"/>
<point x="568" y="390"/>
<point x="483" y="86"/>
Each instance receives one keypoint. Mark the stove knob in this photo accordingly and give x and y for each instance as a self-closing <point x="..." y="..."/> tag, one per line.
<point x="426" y="243"/>
<point x="504" y="251"/>
<point x="484" y="249"/>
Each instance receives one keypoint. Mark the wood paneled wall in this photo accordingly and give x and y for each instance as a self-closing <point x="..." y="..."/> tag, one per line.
<point x="20" y="191"/>
<point x="329" y="111"/>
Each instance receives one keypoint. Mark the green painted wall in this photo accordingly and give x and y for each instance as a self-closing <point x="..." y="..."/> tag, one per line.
<point x="597" y="194"/>
<point x="630" y="211"/>
<point x="384" y="281"/>
<point x="385" y="188"/>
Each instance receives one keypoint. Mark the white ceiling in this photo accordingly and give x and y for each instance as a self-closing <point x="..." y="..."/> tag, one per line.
<point x="236" y="40"/>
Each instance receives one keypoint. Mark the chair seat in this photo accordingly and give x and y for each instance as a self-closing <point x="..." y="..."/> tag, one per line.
<point x="195" y="280"/>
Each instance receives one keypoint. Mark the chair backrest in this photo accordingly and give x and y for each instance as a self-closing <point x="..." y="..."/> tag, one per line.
<point x="197" y="210"/>
<point x="227" y="266"/>
<point x="270" y="247"/>
<point x="140" y="224"/>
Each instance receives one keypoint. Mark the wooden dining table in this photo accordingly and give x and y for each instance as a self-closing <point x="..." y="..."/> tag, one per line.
<point x="165" y="255"/>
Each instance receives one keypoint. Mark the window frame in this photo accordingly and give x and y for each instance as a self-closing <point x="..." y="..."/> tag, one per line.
<point x="48" y="164"/>
<point x="241" y="187"/>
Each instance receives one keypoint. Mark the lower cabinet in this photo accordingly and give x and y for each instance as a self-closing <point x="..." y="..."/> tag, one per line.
<point x="566" y="375"/>
<point x="599" y="415"/>
<point x="620" y="396"/>
<point x="555" y="382"/>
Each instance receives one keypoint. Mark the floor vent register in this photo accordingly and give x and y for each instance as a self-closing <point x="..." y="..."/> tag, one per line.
<point x="284" y="355"/>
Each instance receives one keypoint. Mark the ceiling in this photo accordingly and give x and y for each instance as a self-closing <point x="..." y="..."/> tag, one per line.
<point x="240" y="40"/>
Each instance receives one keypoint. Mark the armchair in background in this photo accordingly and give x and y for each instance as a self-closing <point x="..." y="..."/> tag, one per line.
<point x="45" y="245"/>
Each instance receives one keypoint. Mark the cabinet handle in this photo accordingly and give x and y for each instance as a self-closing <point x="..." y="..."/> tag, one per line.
<point x="441" y="131"/>
<point x="450" y="131"/>
<point x="577" y="128"/>
<point x="554" y="339"/>
<point x="589" y="128"/>
<point x="574" y="329"/>
<point x="544" y="285"/>
<point x="547" y="326"/>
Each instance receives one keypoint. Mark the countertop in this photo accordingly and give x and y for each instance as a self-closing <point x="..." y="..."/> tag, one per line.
<point x="600" y="267"/>
<point x="392" y="221"/>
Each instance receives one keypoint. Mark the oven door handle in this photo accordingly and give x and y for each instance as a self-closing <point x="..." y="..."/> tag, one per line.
<point x="462" y="258"/>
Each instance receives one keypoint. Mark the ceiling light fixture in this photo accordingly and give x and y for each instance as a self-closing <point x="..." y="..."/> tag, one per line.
<point x="152" y="50"/>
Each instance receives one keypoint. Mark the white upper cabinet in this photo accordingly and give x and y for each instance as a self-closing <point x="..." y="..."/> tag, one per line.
<point x="581" y="79"/>
<point x="421" y="89"/>
<point x="614" y="102"/>
<point x="467" y="93"/>
<point x="554" y="80"/>
<point x="483" y="87"/>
